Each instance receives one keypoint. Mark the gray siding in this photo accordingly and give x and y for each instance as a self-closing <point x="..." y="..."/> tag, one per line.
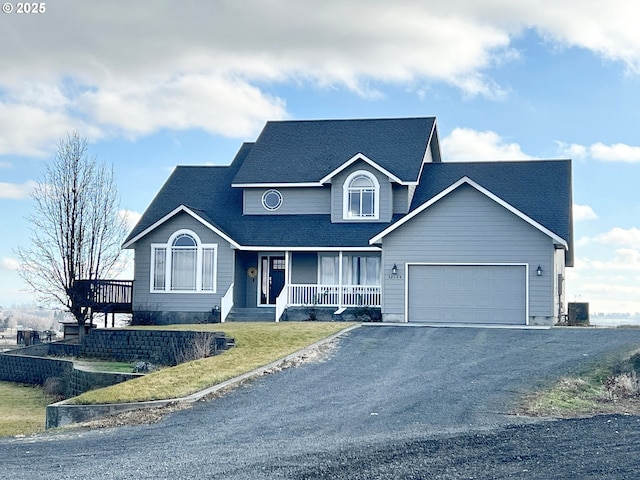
<point x="386" y="194"/>
<point x="245" y="289"/>
<point x="468" y="227"/>
<point x="144" y="300"/>
<point x="400" y="198"/>
<point x="304" y="267"/>
<point x="307" y="200"/>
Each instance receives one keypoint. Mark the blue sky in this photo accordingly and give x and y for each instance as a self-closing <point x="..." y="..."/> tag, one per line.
<point x="155" y="84"/>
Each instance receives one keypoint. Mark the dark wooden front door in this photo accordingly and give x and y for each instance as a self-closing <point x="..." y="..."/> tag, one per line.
<point x="272" y="279"/>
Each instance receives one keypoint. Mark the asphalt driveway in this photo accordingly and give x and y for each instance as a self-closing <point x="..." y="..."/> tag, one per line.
<point x="389" y="402"/>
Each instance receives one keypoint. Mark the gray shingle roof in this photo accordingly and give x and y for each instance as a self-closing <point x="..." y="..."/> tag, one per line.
<point x="539" y="189"/>
<point x="306" y="151"/>
<point x="207" y="191"/>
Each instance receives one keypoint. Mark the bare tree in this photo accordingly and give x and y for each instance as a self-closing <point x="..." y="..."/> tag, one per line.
<point x="76" y="229"/>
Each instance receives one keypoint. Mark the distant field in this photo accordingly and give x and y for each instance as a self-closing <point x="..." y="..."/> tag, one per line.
<point x="22" y="409"/>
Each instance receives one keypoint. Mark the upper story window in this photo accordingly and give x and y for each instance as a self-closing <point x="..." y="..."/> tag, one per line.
<point x="361" y="199"/>
<point x="272" y="199"/>
<point x="183" y="264"/>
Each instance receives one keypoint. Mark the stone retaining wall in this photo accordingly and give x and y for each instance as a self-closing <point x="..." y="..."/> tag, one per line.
<point x="162" y="347"/>
<point x="35" y="370"/>
<point x="34" y="365"/>
<point x="85" y="380"/>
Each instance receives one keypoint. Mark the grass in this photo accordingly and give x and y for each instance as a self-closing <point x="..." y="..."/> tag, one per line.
<point x="593" y="391"/>
<point x="22" y="409"/>
<point x="257" y="344"/>
<point x="102" y="366"/>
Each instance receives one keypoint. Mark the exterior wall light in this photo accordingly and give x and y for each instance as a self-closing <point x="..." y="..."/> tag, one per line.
<point x="394" y="269"/>
<point x="539" y="271"/>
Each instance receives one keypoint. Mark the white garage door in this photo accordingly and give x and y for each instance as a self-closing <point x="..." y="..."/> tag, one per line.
<point x="467" y="294"/>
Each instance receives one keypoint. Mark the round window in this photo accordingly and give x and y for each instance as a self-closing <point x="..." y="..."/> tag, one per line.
<point x="272" y="199"/>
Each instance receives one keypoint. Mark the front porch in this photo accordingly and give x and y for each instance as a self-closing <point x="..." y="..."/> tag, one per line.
<point x="331" y="281"/>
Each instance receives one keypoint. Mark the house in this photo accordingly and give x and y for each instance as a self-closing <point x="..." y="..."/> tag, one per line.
<point x="336" y="216"/>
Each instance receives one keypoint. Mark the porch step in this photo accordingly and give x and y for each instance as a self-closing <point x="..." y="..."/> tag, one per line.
<point x="257" y="314"/>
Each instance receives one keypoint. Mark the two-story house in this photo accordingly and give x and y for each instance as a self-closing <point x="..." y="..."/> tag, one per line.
<point x="337" y="215"/>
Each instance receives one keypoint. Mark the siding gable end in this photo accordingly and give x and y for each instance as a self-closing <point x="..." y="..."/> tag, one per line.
<point x="467" y="181"/>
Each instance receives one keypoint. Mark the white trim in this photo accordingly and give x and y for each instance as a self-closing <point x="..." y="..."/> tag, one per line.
<point x="310" y="249"/>
<point x="466" y="264"/>
<point x="236" y="245"/>
<point x="268" y="256"/>
<point x="495" y="198"/>
<point x="364" y="158"/>
<point x="264" y="196"/>
<point x="168" y="248"/>
<point x="185" y="209"/>
<point x="277" y="185"/>
<point x="346" y="190"/>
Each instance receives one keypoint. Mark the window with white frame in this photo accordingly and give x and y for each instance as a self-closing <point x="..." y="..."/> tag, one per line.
<point x="357" y="269"/>
<point x="183" y="264"/>
<point x="361" y="196"/>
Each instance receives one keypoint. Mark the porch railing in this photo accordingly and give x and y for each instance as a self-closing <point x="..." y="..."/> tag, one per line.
<point x="334" y="295"/>
<point x="226" y="304"/>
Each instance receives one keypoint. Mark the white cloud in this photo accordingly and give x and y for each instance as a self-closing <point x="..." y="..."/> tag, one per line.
<point x="121" y="68"/>
<point x="583" y="212"/>
<point x="130" y="217"/>
<point x="617" y="152"/>
<point x="464" y="144"/>
<point x="192" y="101"/>
<point x="16" y="190"/>
<point x="620" y="236"/>
<point x="624" y="259"/>
<point x="10" y="264"/>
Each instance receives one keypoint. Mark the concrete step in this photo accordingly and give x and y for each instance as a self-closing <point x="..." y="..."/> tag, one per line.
<point x="258" y="314"/>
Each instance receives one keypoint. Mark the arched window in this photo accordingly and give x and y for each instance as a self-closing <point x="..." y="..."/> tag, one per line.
<point x="361" y="196"/>
<point x="183" y="264"/>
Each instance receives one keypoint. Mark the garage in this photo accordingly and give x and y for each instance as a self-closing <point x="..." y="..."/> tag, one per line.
<point x="478" y="293"/>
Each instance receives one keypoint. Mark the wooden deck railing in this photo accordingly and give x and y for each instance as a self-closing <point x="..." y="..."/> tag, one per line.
<point x="110" y="296"/>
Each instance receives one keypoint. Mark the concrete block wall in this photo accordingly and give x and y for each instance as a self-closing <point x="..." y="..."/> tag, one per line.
<point x="34" y="365"/>
<point x="155" y="346"/>
<point x="84" y="380"/>
<point x="35" y="370"/>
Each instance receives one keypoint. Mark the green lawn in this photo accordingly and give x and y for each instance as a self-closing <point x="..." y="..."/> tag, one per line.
<point x="22" y="409"/>
<point x="257" y="344"/>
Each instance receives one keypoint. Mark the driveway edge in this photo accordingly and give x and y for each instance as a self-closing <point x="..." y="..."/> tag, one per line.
<point x="62" y="413"/>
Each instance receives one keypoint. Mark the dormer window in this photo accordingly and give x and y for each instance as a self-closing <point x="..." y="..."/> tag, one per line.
<point x="361" y="196"/>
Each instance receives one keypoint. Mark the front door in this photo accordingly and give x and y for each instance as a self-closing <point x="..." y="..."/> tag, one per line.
<point x="272" y="279"/>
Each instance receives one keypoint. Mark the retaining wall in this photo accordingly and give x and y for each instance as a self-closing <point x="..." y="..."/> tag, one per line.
<point x="34" y="365"/>
<point x="163" y="347"/>
<point x="35" y="370"/>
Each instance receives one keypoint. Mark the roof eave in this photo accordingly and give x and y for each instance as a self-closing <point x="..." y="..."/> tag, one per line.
<point x="174" y="212"/>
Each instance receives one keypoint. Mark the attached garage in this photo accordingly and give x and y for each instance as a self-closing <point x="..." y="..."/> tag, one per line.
<point x="469" y="293"/>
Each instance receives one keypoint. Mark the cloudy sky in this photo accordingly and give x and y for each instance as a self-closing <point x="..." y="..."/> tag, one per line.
<point x="155" y="84"/>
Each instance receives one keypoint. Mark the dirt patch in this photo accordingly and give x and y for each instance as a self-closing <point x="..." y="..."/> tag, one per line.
<point x="145" y="416"/>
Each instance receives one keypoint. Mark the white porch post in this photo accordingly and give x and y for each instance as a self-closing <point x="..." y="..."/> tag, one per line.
<point x="340" y="280"/>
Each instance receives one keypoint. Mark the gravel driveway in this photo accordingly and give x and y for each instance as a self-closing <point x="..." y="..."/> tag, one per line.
<point x="389" y="402"/>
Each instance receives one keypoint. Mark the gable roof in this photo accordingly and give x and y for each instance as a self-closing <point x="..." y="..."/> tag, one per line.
<point x="205" y="193"/>
<point x="308" y="151"/>
<point x="539" y="190"/>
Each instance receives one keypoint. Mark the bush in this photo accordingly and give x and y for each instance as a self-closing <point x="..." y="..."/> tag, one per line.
<point x="55" y="387"/>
